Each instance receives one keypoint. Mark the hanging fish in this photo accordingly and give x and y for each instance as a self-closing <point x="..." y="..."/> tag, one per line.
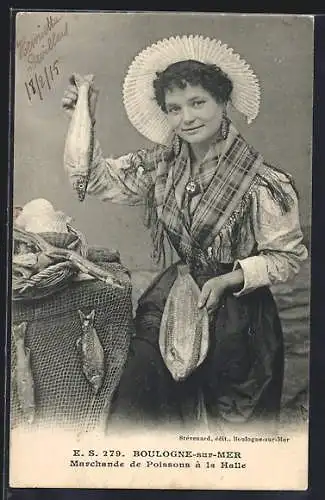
<point x="80" y="137"/>
<point x="23" y="373"/>
<point x="91" y="351"/>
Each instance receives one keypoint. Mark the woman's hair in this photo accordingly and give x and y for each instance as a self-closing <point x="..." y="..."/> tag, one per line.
<point x="191" y="72"/>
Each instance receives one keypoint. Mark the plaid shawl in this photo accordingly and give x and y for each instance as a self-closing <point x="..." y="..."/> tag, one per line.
<point x="225" y="180"/>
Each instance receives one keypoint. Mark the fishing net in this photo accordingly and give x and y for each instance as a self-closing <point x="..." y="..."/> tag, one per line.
<point x="63" y="396"/>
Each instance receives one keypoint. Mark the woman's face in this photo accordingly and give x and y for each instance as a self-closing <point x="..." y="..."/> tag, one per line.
<point x="193" y="113"/>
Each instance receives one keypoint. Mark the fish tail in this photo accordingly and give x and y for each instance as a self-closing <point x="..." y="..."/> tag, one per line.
<point x="78" y="344"/>
<point x="79" y="80"/>
<point x="89" y="78"/>
<point x="76" y="79"/>
<point x="96" y="382"/>
<point x="25" y="389"/>
<point x="19" y="331"/>
<point x="81" y="315"/>
<point x="30" y="414"/>
<point x="27" y="353"/>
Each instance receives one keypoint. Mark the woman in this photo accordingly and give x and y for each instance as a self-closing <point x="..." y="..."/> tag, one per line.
<point x="231" y="217"/>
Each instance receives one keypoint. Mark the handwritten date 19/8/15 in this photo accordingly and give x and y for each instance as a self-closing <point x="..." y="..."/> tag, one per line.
<point x="41" y="81"/>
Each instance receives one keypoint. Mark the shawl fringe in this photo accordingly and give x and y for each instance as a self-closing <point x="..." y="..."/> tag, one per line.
<point x="237" y="223"/>
<point x="151" y="220"/>
<point x="241" y="218"/>
<point x="274" y="186"/>
<point x="156" y="227"/>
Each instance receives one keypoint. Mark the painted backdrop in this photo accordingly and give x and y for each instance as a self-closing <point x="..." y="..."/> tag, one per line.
<point x="54" y="45"/>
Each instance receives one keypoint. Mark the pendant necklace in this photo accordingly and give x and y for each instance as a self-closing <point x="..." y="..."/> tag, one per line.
<point x="192" y="188"/>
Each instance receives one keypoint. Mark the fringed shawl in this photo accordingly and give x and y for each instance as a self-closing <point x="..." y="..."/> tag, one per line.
<point x="225" y="203"/>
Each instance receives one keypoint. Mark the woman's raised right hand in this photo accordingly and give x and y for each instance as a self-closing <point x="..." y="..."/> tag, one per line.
<point x="70" y="97"/>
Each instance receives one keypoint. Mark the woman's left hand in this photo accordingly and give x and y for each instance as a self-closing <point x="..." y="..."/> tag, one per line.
<point x="211" y="294"/>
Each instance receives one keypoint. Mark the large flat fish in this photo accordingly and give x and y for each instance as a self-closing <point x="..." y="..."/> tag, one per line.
<point x="91" y="351"/>
<point x="184" y="328"/>
<point x="80" y="138"/>
<point x="23" y="373"/>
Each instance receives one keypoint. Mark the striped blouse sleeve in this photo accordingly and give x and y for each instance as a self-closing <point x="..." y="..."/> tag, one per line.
<point x="279" y="242"/>
<point x="122" y="180"/>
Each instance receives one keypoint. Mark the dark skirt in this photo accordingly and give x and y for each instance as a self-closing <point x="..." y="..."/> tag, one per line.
<point x="239" y="381"/>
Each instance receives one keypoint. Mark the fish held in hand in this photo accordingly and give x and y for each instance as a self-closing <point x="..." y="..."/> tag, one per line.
<point x="80" y="138"/>
<point x="184" y="329"/>
<point x="23" y="373"/>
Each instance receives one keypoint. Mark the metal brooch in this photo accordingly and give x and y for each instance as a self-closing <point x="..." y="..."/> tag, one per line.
<point x="193" y="188"/>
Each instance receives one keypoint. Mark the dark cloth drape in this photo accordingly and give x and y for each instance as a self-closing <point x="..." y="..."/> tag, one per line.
<point x="240" y="380"/>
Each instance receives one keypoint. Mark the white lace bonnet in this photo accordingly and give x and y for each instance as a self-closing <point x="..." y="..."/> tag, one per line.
<point x="138" y="94"/>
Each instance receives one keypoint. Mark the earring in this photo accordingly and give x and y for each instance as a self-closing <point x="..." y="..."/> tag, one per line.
<point x="176" y="144"/>
<point x="224" y="129"/>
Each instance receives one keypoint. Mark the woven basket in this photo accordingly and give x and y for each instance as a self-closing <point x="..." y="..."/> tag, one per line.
<point x="56" y="277"/>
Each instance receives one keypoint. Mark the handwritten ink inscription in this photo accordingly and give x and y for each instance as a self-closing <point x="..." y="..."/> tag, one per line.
<point x="35" y="48"/>
<point x="42" y="81"/>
